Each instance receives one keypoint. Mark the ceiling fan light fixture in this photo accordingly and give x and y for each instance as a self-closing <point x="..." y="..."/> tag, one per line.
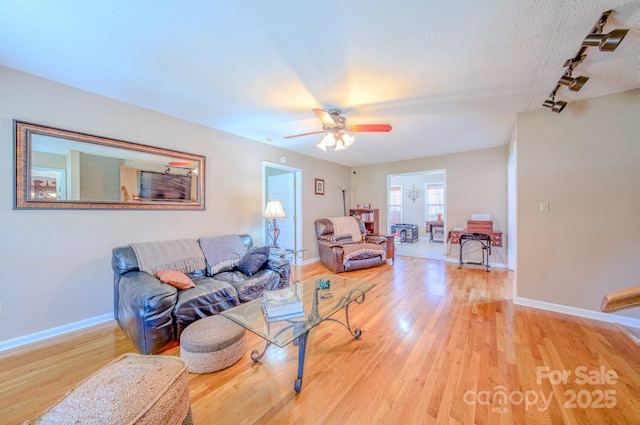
<point x="348" y="139"/>
<point x="574" y="84"/>
<point x="337" y="132"/>
<point x="606" y="42"/>
<point x="329" y="140"/>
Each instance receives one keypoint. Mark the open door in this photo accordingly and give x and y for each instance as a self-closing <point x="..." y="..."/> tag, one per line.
<point x="280" y="182"/>
<point x="282" y="188"/>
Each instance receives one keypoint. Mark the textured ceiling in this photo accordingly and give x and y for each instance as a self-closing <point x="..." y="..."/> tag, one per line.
<point x="449" y="76"/>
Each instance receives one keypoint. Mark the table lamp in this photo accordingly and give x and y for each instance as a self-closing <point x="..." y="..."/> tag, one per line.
<point x="274" y="211"/>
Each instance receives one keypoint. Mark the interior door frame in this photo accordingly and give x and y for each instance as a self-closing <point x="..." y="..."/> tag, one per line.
<point x="442" y="171"/>
<point x="298" y="202"/>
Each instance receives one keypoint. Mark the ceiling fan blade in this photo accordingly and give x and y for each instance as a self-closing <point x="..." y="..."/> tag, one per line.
<point x="304" y="134"/>
<point x="325" y="117"/>
<point x="361" y="128"/>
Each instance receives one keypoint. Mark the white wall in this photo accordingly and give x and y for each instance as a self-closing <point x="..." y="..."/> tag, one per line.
<point x="412" y="211"/>
<point x="56" y="263"/>
<point x="586" y="163"/>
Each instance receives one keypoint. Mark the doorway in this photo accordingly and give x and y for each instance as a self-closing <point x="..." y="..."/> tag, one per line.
<point x="281" y="182"/>
<point x="415" y="199"/>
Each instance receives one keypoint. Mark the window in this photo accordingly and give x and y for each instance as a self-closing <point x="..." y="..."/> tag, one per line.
<point x="395" y="205"/>
<point x="435" y="201"/>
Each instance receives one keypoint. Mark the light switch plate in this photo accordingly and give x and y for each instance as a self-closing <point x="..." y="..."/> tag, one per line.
<point x="544" y="206"/>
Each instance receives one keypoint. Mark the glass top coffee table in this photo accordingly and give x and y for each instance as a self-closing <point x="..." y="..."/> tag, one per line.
<point x="319" y="306"/>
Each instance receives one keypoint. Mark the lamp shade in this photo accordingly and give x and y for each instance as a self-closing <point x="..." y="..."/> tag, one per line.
<point x="274" y="210"/>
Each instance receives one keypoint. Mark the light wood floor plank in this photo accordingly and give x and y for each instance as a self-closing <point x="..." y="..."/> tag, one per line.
<point x="438" y="345"/>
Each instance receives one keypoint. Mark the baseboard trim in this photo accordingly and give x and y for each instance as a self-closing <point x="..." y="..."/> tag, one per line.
<point x="310" y="261"/>
<point x="633" y="333"/>
<point x="580" y="312"/>
<point x="49" y="333"/>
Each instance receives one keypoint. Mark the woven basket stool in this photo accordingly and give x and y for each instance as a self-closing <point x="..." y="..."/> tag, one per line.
<point x="212" y="344"/>
<point x="132" y="389"/>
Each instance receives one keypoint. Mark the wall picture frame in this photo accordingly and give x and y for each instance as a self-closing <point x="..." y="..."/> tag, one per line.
<point x="319" y="186"/>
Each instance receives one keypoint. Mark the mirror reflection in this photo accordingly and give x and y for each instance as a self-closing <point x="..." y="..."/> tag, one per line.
<point x="63" y="169"/>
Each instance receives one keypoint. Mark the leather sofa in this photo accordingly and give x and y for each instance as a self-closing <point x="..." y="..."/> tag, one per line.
<point x="332" y="247"/>
<point x="153" y="314"/>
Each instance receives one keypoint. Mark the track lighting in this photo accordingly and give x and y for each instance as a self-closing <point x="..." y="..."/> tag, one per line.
<point x="180" y="165"/>
<point x="605" y="42"/>
<point x="574" y="62"/>
<point x="559" y="106"/>
<point x="556" y="106"/>
<point x="574" y="84"/>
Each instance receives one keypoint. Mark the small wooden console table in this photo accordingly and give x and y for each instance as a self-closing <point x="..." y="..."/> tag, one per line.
<point x="433" y="227"/>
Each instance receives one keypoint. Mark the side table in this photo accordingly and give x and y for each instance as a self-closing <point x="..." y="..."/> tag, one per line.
<point x="391" y="248"/>
<point x="284" y="252"/>
<point x="288" y="255"/>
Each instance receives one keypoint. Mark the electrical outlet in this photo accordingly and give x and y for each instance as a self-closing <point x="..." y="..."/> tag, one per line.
<point x="544" y="206"/>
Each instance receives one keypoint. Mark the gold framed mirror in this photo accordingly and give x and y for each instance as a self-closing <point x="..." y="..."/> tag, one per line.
<point x="63" y="169"/>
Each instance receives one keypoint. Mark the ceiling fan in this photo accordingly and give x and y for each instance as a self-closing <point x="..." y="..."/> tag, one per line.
<point x="335" y="125"/>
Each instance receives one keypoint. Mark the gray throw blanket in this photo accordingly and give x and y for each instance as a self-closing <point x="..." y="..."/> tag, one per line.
<point x="361" y="251"/>
<point x="183" y="255"/>
<point x="223" y="253"/>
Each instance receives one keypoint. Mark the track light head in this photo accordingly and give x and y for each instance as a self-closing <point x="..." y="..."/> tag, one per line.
<point x="556" y="106"/>
<point x="606" y="42"/>
<point x="574" y="84"/>
<point x="559" y="106"/>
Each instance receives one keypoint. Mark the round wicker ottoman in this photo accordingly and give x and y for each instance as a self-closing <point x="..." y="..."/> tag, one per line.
<point x="212" y="344"/>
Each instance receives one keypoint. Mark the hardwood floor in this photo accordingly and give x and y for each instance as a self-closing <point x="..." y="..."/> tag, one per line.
<point x="439" y="346"/>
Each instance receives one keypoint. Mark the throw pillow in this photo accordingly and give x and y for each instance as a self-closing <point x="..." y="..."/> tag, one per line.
<point x="253" y="260"/>
<point x="175" y="278"/>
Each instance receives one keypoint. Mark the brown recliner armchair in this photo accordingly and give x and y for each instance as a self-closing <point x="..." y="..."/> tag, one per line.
<point x="341" y="253"/>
